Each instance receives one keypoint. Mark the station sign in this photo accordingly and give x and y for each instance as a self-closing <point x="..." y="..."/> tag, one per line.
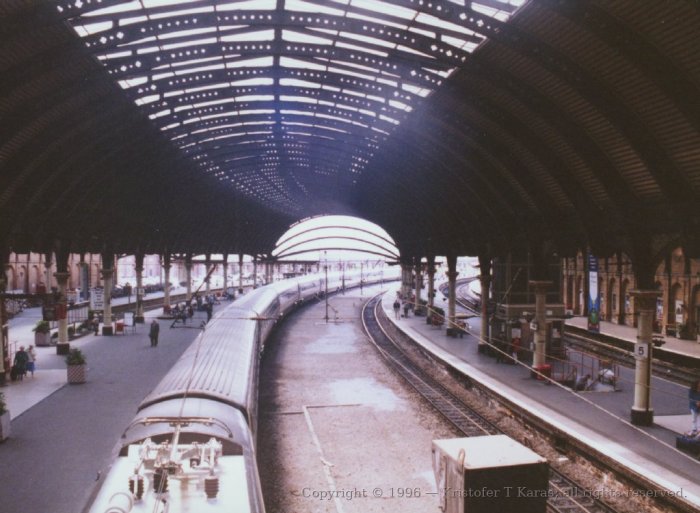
<point x="641" y="351"/>
<point x="97" y="298"/>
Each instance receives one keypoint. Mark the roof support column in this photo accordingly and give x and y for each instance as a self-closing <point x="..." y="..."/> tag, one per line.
<point x="431" y="282"/>
<point x="47" y="270"/>
<point x="107" y="277"/>
<point x="5" y="365"/>
<point x="255" y="272"/>
<point x="207" y="277"/>
<point x="188" y="277"/>
<point x="225" y="265"/>
<point x="62" y="275"/>
<point x="84" y="278"/>
<point x="642" y="413"/>
<point x="240" y="273"/>
<point x="166" y="286"/>
<point x="406" y="281"/>
<point x="452" y="291"/>
<point x="138" y="259"/>
<point x="419" y="309"/>
<point x="645" y="294"/>
<point x="485" y="280"/>
<point x="540" y="356"/>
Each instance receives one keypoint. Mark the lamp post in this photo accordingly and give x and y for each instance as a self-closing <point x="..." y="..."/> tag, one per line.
<point x="326" y="292"/>
<point x="361" y="271"/>
<point x="325" y="267"/>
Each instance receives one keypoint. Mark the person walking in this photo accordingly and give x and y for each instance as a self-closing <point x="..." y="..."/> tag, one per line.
<point x="31" y="358"/>
<point x="694" y="403"/>
<point x="20" y="362"/>
<point x="397" y="309"/>
<point x="153" y="333"/>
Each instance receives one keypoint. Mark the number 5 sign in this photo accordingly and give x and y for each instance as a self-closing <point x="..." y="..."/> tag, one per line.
<point x="641" y="351"/>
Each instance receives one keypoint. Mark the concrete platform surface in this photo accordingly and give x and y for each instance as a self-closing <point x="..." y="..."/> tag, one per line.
<point x="64" y="437"/>
<point x="598" y="419"/>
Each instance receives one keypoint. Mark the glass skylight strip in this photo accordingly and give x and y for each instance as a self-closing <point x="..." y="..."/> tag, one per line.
<point x="250" y="5"/>
<point x="298" y="37"/>
<point x="364" y="49"/>
<point x="384" y="8"/>
<point x="301" y="6"/>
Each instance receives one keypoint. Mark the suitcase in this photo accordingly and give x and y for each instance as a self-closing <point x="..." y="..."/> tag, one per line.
<point x="688" y="443"/>
<point x="14" y="373"/>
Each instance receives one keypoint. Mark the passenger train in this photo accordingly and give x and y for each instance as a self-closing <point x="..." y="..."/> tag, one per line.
<point x="191" y="446"/>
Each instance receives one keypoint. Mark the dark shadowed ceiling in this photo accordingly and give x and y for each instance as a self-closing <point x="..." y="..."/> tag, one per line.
<point x="460" y="127"/>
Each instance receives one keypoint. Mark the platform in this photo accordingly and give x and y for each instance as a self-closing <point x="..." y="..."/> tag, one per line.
<point x="629" y="333"/>
<point x="64" y="436"/>
<point x="600" y="420"/>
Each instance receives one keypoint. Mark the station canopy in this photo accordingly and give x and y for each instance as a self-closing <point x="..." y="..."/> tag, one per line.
<point x="457" y="125"/>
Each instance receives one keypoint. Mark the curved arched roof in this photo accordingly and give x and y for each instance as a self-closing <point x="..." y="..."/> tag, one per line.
<point x="458" y="126"/>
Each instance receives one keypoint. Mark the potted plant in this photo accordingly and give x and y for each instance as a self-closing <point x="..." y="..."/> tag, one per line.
<point x="76" y="366"/>
<point x="42" y="336"/>
<point x="4" y="419"/>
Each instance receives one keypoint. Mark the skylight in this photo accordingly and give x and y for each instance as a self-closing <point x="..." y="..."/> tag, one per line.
<point x="345" y="74"/>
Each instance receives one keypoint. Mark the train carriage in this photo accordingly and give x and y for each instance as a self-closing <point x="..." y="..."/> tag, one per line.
<point x="191" y="446"/>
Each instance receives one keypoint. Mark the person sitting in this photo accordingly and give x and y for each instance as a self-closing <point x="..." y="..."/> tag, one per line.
<point x="583" y="383"/>
<point x="607" y="376"/>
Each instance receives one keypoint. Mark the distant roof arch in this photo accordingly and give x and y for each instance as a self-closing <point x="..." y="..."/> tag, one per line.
<point x="336" y="234"/>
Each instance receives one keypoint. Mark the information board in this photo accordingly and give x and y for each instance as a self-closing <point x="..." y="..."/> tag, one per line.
<point x="129" y="319"/>
<point x="97" y="298"/>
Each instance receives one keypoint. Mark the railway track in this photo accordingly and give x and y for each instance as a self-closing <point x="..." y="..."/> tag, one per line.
<point x="567" y="495"/>
<point x="621" y="356"/>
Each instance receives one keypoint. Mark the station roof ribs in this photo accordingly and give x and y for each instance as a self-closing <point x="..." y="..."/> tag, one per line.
<point x="458" y="126"/>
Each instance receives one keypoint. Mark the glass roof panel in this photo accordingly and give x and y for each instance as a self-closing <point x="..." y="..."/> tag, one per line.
<point x="254" y="90"/>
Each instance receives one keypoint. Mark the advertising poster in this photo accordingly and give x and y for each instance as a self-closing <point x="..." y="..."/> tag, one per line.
<point x="97" y="301"/>
<point x="679" y="311"/>
<point x="593" y="295"/>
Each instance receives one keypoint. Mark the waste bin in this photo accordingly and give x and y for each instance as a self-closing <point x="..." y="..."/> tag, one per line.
<point x="119" y="327"/>
<point x="545" y="369"/>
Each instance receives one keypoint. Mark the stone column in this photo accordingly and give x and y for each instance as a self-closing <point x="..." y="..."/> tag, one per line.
<point x="431" y="282"/>
<point x="452" y="288"/>
<point x="207" y="276"/>
<point x="61" y="306"/>
<point x="485" y="280"/>
<point x="188" y="277"/>
<point x="225" y="265"/>
<point x="139" y="317"/>
<point x="3" y="287"/>
<point x="255" y="272"/>
<point x="642" y="413"/>
<point x="405" y="281"/>
<point x="166" y="285"/>
<point x="419" y="283"/>
<point x="240" y="273"/>
<point x="540" y="356"/>
<point x="47" y="270"/>
<point x="107" y="276"/>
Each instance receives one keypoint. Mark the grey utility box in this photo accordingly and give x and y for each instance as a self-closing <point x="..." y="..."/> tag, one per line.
<point x="489" y="474"/>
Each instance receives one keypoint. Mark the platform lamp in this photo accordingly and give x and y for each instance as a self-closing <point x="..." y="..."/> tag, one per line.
<point x="325" y="267"/>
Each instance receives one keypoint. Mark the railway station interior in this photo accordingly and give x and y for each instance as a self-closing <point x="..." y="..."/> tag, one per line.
<point x="532" y="168"/>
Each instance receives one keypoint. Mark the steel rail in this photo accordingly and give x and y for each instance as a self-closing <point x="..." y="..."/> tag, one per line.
<point x="565" y="492"/>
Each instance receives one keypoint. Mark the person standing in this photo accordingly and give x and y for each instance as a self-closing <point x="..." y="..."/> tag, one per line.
<point x="153" y="333"/>
<point x="31" y="358"/>
<point x="397" y="309"/>
<point x="20" y="362"/>
<point x="694" y="403"/>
